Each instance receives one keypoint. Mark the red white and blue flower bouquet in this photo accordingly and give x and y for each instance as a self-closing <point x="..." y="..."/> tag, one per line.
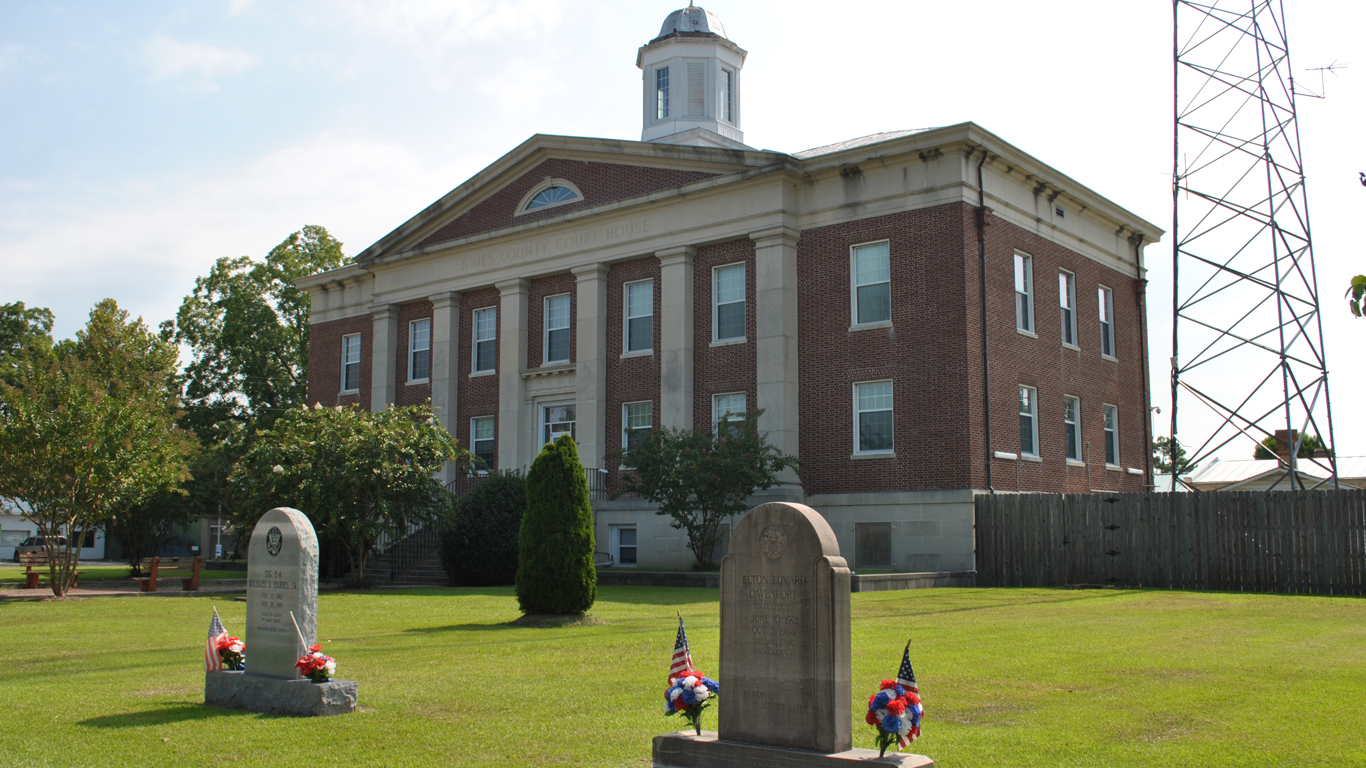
<point x="316" y="666"/>
<point x="231" y="652"/>
<point x="895" y="712"/>
<point x="689" y="694"/>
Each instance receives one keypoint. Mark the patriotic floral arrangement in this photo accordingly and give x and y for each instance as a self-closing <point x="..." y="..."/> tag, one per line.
<point x="689" y="694"/>
<point x="895" y="712"/>
<point x="316" y="666"/>
<point x="231" y="652"/>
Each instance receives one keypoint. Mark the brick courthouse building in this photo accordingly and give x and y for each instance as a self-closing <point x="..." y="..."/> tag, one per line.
<point x="599" y="286"/>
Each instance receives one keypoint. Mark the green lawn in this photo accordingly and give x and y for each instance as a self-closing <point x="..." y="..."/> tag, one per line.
<point x="15" y="574"/>
<point x="1018" y="677"/>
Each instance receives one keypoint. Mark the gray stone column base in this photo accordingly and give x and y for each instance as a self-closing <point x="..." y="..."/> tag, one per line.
<point x="687" y="750"/>
<point x="254" y="693"/>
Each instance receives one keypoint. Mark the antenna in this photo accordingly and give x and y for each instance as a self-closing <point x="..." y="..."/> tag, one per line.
<point x="1247" y="340"/>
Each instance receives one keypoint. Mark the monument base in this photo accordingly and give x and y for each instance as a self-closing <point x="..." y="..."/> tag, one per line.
<point x="304" y="698"/>
<point x="687" y="750"/>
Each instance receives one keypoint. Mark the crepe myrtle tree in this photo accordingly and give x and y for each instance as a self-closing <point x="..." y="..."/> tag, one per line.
<point x="89" y="431"/>
<point x="698" y="477"/>
<point x="358" y="475"/>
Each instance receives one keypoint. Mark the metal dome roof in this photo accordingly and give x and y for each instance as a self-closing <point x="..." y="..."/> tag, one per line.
<point x="692" y="21"/>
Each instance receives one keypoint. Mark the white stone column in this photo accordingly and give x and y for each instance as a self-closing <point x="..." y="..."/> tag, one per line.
<point x="676" y="336"/>
<point x="775" y="326"/>
<point x="383" y="368"/>
<point x="445" y="371"/>
<point x="513" y="431"/>
<point x="590" y="359"/>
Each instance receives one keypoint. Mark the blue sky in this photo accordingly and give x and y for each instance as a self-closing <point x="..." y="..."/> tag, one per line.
<point x="141" y="141"/>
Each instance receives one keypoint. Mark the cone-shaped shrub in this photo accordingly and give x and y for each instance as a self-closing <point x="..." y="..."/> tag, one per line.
<point x="555" y="571"/>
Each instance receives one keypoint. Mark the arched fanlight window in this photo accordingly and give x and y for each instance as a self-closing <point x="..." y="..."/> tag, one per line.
<point x="551" y="196"/>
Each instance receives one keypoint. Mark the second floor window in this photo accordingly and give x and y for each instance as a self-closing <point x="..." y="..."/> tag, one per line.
<point x="872" y="283"/>
<point x="1067" y="300"/>
<point x="637" y="421"/>
<point x="351" y="363"/>
<point x="485" y="339"/>
<point x="557" y="329"/>
<point x="873" y="417"/>
<point x="728" y="318"/>
<point x="640" y="316"/>
<point x="1071" y="418"/>
<point x="1024" y="292"/>
<point x="419" y="349"/>
<point x="727" y="409"/>
<point x="1106" y="300"/>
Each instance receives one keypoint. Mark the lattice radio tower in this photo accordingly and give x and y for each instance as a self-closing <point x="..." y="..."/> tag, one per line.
<point x="1247" y="341"/>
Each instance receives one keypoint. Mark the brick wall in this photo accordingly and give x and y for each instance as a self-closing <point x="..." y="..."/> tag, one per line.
<point x="630" y="379"/>
<point x="731" y="367"/>
<point x="324" y="361"/>
<point x="599" y="182"/>
<point x="540" y="288"/>
<point x="405" y="393"/>
<point x="923" y="353"/>
<point x="477" y="396"/>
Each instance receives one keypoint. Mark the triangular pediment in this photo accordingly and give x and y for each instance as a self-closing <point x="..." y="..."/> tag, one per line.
<point x="598" y="171"/>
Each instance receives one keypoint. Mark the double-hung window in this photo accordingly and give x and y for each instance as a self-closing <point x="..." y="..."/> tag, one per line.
<point x="1106" y="300"/>
<point x="728" y="305"/>
<point x="661" y="93"/>
<point x="873" y="417"/>
<point x="640" y="316"/>
<point x="872" y="283"/>
<point x="1111" y="435"/>
<point x="1067" y="299"/>
<point x="485" y="339"/>
<point x="1071" y="419"/>
<point x="727" y="87"/>
<point x="557" y="329"/>
<point x="481" y="439"/>
<point x="624" y="544"/>
<point x="637" y="419"/>
<point x="419" y="350"/>
<point x="351" y="363"/>
<point x="726" y="410"/>
<point x="1024" y="293"/>
<point x="1029" y="420"/>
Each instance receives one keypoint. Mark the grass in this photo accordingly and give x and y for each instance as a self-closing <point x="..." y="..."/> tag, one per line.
<point x="1009" y="677"/>
<point x="15" y="574"/>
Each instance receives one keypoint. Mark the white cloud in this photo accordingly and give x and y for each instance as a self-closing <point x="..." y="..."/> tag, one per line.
<point x="434" y="29"/>
<point x="201" y="60"/>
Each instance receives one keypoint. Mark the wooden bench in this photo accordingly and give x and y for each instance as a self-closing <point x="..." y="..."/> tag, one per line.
<point x="42" y="563"/>
<point x="156" y="567"/>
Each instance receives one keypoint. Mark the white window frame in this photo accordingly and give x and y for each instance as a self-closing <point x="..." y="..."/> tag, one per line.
<point x="413" y="350"/>
<point x="628" y="317"/>
<point x="1034" y="420"/>
<point x="858" y="451"/>
<point x="854" y="285"/>
<point x="546" y="329"/>
<point x="615" y="539"/>
<point x="1073" y="427"/>
<point x="475" y="370"/>
<point x="716" y="409"/>
<point x="662" y="94"/>
<point x="715" y="307"/>
<point x="1110" y="429"/>
<point x="1027" y="261"/>
<point x="543" y="423"/>
<point x="625" y="420"/>
<point x="1105" y="297"/>
<point x="728" y="95"/>
<point x="345" y="363"/>
<point x="474" y="431"/>
<point x="1067" y="290"/>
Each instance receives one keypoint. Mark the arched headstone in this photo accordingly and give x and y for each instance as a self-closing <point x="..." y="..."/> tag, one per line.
<point x="282" y="576"/>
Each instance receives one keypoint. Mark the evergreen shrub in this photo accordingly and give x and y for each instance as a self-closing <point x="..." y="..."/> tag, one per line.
<point x="555" y="573"/>
<point x="479" y="543"/>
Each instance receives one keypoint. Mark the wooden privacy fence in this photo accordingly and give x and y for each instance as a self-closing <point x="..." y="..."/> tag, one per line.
<point x="1306" y="542"/>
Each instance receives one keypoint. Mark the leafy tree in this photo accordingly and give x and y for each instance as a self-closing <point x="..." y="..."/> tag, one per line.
<point x="1168" y="453"/>
<point x="555" y="572"/>
<point x="357" y="475"/>
<point x="23" y="332"/>
<point x="698" y="478"/>
<point x="90" y="432"/>
<point x="247" y="328"/>
<point x="479" y="546"/>
<point x="1309" y="444"/>
<point x="1356" y="294"/>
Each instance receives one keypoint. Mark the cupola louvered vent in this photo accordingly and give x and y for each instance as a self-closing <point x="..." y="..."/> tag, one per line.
<point x="696" y="97"/>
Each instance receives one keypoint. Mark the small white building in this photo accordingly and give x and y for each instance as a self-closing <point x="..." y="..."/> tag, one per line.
<point x="14" y="528"/>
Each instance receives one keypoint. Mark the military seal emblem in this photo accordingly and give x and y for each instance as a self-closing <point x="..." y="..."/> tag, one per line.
<point x="274" y="540"/>
<point x="773" y="540"/>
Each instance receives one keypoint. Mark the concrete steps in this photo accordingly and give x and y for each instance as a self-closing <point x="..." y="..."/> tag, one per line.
<point x="421" y="563"/>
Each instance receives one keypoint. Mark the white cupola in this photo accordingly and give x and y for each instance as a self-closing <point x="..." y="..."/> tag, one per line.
<point x="691" y="83"/>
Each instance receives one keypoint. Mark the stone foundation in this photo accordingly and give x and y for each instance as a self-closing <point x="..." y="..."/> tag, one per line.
<point x="303" y="698"/>
<point x="686" y="750"/>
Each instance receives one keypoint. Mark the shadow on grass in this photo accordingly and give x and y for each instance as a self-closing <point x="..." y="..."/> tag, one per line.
<point x="176" y="713"/>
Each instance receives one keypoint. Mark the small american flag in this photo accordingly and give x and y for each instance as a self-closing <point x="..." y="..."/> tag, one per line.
<point x="212" y="662"/>
<point x="682" y="658"/>
<point x="905" y="677"/>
